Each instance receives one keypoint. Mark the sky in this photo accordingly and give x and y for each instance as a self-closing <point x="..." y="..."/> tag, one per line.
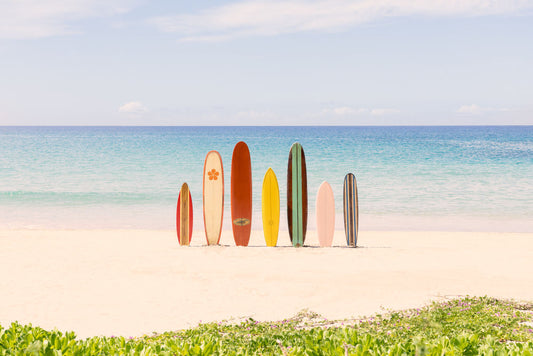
<point x="320" y="62"/>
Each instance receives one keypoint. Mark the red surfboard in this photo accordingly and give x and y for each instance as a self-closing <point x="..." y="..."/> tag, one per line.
<point x="184" y="216"/>
<point x="241" y="194"/>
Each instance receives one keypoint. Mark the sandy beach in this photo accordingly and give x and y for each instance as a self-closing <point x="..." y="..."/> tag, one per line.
<point x="135" y="282"/>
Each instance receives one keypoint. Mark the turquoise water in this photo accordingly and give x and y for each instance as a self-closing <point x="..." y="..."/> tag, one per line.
<point x="423" y="178"/>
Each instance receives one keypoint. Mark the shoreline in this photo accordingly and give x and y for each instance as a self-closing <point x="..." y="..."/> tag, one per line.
<point x="89" y="220"/>
<point x="134" y="282"/>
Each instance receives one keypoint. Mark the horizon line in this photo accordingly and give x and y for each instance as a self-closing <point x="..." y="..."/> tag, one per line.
<point x="404" y="125"/>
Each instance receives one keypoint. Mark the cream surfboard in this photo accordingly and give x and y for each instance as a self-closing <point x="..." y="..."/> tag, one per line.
<point x="325" y="215"/>
<point x="213" y="197"/>
<point x="270" y="204"/>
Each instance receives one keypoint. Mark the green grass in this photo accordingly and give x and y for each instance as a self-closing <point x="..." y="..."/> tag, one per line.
<point x="467" y="326"/>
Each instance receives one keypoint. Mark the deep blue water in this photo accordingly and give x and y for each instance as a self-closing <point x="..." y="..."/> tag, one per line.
<point x="459" y="178"/>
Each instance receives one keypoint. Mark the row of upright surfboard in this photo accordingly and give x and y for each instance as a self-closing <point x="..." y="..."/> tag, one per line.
<point x="241" y="202"/>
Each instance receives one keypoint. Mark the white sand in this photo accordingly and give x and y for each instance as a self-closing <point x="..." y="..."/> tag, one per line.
<point x="129" y="283"/>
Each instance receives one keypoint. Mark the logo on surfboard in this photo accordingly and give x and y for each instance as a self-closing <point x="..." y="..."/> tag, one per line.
<point x="241" y="221"/>
<point x="213" y="174"/>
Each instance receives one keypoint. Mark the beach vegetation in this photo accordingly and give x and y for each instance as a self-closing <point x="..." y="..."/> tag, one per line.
<point x="465" y="326"/>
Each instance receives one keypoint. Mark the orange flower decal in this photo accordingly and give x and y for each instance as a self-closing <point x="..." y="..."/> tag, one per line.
<point x="213" y="174"/>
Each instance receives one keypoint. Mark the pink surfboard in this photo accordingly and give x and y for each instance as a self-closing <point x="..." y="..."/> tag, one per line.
<point x="325" y="215"/>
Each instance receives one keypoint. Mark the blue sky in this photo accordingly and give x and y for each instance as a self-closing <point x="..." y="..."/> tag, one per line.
<point x="323" y="62"/>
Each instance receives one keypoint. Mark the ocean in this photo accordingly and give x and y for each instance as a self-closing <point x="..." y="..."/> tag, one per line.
<point x="460" y="178"/>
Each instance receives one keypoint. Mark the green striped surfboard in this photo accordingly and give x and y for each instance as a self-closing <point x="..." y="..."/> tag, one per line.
<point x="297" y="195"/>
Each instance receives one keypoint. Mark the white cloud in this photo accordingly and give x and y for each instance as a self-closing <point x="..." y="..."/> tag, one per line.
<point x="254" y="115"/>
<point x="274" y="17"/>
<point x="474" y="109"/>
<point x="27" y="19"/>
<point x="346" y="110"/>
<point x="133" y="107"/>
<point x="381" y="112"/>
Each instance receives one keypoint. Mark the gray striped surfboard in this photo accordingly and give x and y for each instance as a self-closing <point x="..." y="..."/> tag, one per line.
<point x="351" y="210"/>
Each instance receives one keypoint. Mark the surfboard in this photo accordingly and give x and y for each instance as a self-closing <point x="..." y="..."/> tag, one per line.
<point x="213" y="197"/>
<point x="297" y="195"/>
<point x="325" y="215"/>
<point x="351" y="210"/>
<point x="241" y="194"/>
<point x="270" y="205"/>
<point x="184" y="216"/>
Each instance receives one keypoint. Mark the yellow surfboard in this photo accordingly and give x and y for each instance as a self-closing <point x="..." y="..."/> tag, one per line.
<point x="270" y="202"/>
